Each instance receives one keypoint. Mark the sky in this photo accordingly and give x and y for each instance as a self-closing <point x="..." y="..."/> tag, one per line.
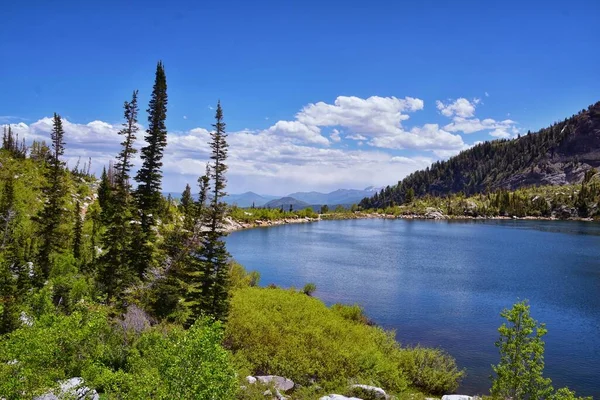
<point x="317" y="95"/>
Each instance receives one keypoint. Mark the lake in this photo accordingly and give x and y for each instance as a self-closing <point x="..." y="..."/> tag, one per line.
<point x="444" y="284"/>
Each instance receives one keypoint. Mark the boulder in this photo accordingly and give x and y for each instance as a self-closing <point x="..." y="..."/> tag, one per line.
<point x="251" y="379"/>
<point x="456" y="397"/>
<point x="376" y="391"/>
<point x="338" y="397"/>
<point x="72" y="389"/>
<point x="432" y="213"/>
<point x="279" y="382"/>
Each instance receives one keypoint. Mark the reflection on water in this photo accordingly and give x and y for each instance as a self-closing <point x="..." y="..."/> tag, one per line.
<point x="444" y="284"/>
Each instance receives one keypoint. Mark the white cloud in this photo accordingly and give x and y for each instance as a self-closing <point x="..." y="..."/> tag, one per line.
<point x="487" y="94"/>
<point x="185" y="117"/>
<point x="461" y="107"/>
<point x="295" y="155"/>
<point x="356" y="137"/>
<point x="500" y="133"/>
<point x="335" y="136"/>
<point x="373" y="116"/>
<point x="306" y="133"/>
<point x="427" y="137"/>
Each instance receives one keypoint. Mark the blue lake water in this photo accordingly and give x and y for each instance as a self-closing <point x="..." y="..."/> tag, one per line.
<point x="443" y="284"/>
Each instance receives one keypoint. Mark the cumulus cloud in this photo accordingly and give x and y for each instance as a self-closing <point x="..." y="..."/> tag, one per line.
<point x="374" y="145"/>
<point x="298" y="130"/>
<point x="335" y="136"/>
<point x="461" y="107"/>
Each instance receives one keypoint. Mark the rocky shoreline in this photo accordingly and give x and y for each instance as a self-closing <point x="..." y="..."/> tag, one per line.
<point x="232" y="225"/>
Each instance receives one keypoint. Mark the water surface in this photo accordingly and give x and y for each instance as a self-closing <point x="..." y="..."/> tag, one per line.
<point x="443" y="284"/>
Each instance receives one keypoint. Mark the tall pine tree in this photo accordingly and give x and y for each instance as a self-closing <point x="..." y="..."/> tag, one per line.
<point x="116" y="266"/>
<point x="208" y="266"/>
<point x="149" y="176"/>
<point x="51" y="216"/>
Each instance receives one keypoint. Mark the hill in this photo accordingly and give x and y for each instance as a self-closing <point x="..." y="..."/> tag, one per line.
<point x="558" y="155"/>
<point x="286" y="202"/>
<point x="248" y="199"/>
<point x="340" y="196"/>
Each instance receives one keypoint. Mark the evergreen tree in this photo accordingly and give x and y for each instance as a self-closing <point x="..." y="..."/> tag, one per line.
<point x="77" y="232"/>
<point x="129" y="130"/>
<point x="208" y="264"/>
<point x="519" y="375"/>
<point x="116" y="270"/>
<point x="51" y="216"/>
<point x="187" y="204"/>
<point x="149" y="176"/>
<point x="104" y="195"/>
<point x="7" y="211"/>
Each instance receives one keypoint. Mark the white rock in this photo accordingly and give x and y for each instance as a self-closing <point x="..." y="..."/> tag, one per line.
<point x="456" y="397"/>
<point x="338" y="397"/>
<point x="378" y="392"/>
<point x="279" y="382"/>
<point x="73" y="389"/>
<point x="250" y="379"/>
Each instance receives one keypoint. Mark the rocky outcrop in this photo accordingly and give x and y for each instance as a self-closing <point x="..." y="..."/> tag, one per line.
<point x="338" y="397"/>
<point x="71" y="389"/>
<point x="458" y="397"/>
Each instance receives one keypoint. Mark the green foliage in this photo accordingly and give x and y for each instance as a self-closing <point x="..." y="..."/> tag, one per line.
<point x="281" y="332"/>
<point x="309" y="289"/>
<point x="566" y="394"/>
<point x="519" y="375"/>
<point x="149" y="176"/>
<point x="154" y="363"/>
<point x="55" y="190"/>
<point x="206" y="269"/>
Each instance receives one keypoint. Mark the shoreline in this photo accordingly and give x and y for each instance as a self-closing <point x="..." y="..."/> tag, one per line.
<point x="232" y="225"/>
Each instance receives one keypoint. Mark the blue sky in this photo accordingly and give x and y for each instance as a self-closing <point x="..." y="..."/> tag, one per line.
<point x="496" y="67"/>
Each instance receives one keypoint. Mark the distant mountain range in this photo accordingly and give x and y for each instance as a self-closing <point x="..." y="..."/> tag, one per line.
<point x="301" y="199"/>
<point x="298" y="200"/>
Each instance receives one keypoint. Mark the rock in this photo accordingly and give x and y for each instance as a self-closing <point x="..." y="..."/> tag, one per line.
<point x="433" y="213"/>
<point x="456" y="397"/>
<point x="250" y="379"/>
<point x="377" y="391"/>
<point x="279" y="382"/>
<point x="73" y="389"/>
<point x="338" y="397"/>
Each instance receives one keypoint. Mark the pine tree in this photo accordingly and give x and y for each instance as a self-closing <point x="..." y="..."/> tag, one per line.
<point x="129" y="130"/>
<point x="51" y="216"/>
<point x="77" y="231"/>
<point x="209" y="262"/>
<point x="149" y="176"/>
<point x="116" y="269"/>
<point x="7" y="211"/>
<point x="104" y="195"/>
<point x="187" y="204"/>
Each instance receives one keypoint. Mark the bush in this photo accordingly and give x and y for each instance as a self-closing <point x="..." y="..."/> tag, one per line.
<point x="160" y="362"/>
<point x="286" y="333"/>
<point x="431" y="370"/>
<point x="309" y="289"/>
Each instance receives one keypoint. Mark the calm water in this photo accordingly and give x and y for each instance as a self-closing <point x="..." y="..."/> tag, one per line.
<point x="444" y="284"/>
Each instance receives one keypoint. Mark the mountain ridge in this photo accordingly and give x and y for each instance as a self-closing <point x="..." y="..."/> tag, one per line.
<point x="559" y="154"/>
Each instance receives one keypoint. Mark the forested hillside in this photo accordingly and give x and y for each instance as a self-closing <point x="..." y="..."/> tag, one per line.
<point x="557" y="155"/>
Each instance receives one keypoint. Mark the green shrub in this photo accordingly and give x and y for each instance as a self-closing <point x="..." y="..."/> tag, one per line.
<point x="431" y="370"/>
<point x="309" y="289"/>
<point x="352" y="313"/>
